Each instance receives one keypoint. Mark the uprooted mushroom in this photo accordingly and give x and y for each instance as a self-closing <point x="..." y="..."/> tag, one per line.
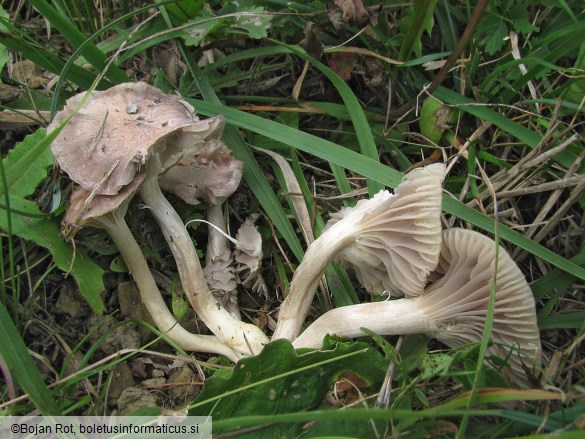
<point x="392" y="240"/>
<point x="454" y="307"/>
<point x="135" y="129"/>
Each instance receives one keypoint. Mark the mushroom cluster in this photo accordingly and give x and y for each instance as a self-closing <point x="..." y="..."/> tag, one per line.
<point x="121" y="141"/>
<point x="133" y="138"/>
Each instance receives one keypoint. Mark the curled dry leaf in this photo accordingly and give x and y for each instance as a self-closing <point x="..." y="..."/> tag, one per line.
<point x="248" y="255"/>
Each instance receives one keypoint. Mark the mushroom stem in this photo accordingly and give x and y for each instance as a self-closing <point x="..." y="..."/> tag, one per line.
<point x="319" y="254"/>
<point x="244" y="338"/>
<point x="115" y="225"/>
<point x="216" y="241"/>
<point x="407" y="317"/>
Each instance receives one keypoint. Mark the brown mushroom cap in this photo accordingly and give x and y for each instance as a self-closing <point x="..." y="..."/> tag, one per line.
<point x="119" y="125"/>
<point x="459" y="300"/>
<point x="395" y="251"/>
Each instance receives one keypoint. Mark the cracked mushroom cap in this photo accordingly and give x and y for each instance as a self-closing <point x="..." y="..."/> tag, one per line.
<point x="396" y="251"/>
<point x="459" y="301"/>
<point x="118" y="129"/>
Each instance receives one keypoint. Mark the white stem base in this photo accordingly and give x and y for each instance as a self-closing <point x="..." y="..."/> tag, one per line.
<point x="295" y="307"/>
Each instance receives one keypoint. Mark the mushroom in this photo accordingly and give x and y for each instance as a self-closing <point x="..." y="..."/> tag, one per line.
<point x="453" y="308"/>
<point x="393" y="241"/>
<point x="138" y="128"/>
<point x="107" y="212"/>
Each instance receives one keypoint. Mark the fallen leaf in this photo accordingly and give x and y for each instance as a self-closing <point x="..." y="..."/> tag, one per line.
<point x="342" y="63"/>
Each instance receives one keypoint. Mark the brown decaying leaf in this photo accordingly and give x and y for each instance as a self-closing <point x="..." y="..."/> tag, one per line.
<point x="221" y="278"/>
<point x="342" y="63"/>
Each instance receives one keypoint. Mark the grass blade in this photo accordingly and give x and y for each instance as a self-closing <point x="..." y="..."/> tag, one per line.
<point x="92" y="54"/>
<point x="21" y="364"/>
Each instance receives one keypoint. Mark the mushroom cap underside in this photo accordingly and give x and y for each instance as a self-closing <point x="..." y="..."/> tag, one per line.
<point x="399" y="236"/>
<point x="458" y="301"/>
<point x="87" y="209"/>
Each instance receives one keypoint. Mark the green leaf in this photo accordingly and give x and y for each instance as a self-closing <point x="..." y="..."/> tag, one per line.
<point x="23" y="183"/>
<point x="256" y="25"/>
<point x="279" y="380"/>
<point x="118" y="265"/>
<point x="417" y="20"/>
<point x="3" y="50"/>
<point x="494" y="30"/>
<point x="435" y="365"/>
<point x="434" y="119"/>
<point x="26" y="167"/>
<point x="29" y="223"/>
<point x="520" y="19"/>
<point x="195" y="34"/>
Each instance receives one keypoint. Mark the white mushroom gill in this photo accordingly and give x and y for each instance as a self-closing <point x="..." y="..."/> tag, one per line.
<point x="393" y="242"/>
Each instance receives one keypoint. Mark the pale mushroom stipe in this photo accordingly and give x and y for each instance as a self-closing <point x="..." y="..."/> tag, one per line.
<point x="133" y="128"/>
<point x="208" y="171"/>
<point x="393" y="241"/>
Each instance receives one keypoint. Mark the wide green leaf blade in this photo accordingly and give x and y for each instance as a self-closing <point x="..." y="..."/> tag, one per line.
<point x="279" y="380"/>
<point x="26" y="165"/>
<point x="29" y="223"/>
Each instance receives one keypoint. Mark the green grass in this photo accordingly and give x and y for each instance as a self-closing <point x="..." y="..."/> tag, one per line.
<point x="339" y="137"/>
